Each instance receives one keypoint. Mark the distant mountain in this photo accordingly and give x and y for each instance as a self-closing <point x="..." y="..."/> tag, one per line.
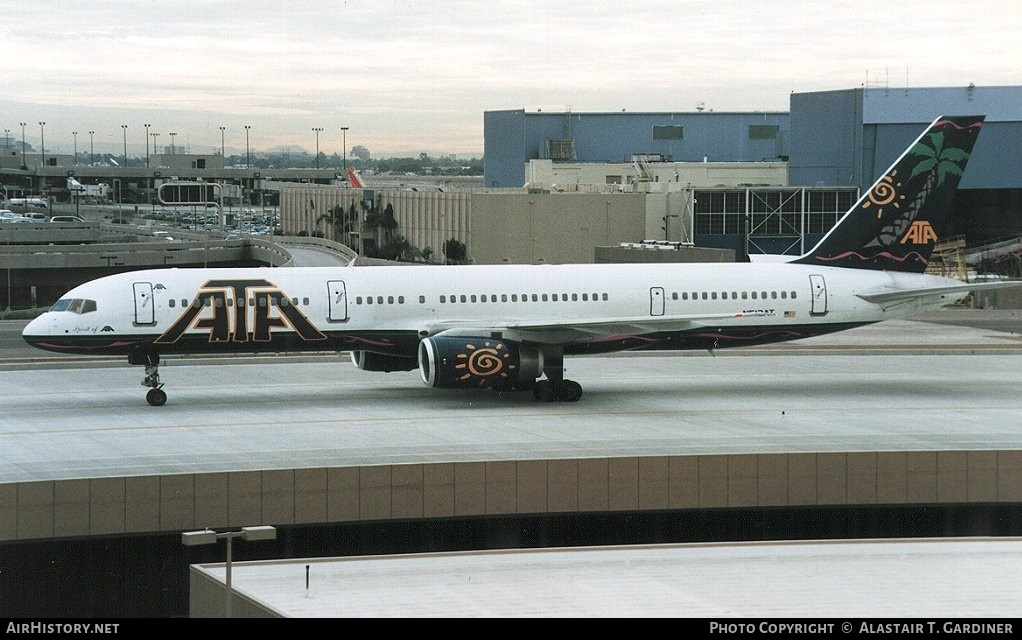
<point x="287" y="149"/>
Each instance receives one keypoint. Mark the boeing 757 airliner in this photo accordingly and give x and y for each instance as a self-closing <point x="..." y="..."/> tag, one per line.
<point x="509" y="327"/>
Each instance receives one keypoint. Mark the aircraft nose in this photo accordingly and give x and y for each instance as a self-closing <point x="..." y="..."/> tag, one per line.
<point x="37" y="328"/>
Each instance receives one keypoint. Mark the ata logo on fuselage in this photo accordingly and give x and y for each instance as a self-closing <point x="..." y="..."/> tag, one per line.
<point x="241" y="311"/>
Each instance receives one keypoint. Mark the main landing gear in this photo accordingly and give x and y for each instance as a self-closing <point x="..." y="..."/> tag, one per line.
<point x="555" y="387"/>
<point x="156" y="396"/>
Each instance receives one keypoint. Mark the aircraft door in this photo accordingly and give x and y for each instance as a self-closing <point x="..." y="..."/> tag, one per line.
<point x="656" y="301"/>
<point x="337" y="301"/>
<point x="145" y="312"/>
<point x="819" y="287"/>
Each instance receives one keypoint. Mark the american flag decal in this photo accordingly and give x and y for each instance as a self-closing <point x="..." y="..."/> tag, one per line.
<point x="789" y="314"/>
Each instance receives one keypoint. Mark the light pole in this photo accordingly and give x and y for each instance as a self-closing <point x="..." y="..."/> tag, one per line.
<point x="208" y="536"/>
<point x="344" y="148"/>
<point x="74" y="161"/>
<point x="42" y="142"/>
<point x="147" y="144"/>
<point x="317" y="130"/>
<point x="23" y="165"/>
<point x="222" y="155"/>
<point x="92" y="150"/>
<point x="124" y="128"/>
<point x="248" y="158"/>
<point x="172" y="134"/>
<point x="155" y="136"/>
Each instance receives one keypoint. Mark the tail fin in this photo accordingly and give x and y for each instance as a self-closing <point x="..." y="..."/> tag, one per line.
<point x="353" y="180"/>
<point x="894" y="225"/>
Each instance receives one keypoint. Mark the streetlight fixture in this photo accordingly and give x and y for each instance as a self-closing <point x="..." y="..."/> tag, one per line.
<point x="124" y="128"/>
<point x="147" y="144"/>
<point x="248" y="158"/>
<point x="23" y="165"/>
<point x="344" y="148"/>
<point x="42" y="142"/>
<point x="74" y="160"/>
<point x="317" y="130"/>
<point x="172" y="134"/>
<point x="208" y="536"/>
<point x="92" y="150"/>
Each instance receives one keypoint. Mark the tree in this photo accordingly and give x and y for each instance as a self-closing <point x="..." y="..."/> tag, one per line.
<point x="455" y="251"/>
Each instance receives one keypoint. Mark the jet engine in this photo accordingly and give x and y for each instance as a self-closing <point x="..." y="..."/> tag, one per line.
<point x="371" y="361"/>
<point x="469" y="362"/>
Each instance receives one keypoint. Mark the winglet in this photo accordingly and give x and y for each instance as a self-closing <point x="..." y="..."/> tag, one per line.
<point x="896" y="223"/>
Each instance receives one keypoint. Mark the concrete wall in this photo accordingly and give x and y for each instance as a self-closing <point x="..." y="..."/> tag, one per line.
<point x="101" y="506"/>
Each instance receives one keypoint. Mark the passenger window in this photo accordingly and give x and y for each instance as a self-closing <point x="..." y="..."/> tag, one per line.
<point x="390" y="299"/>
<point x="545" y="297"/>
<point x="792" y="295"/>
<point x="554" y="297"/>
<point x="585" y="297"/>
<point x="773" y="295"/>
<point x="369" y="299"/>
<point x="605" y="297"/>
<point x="535" y="297"/>
<point x="172" y="303"/>
<point x="464" y="298"/>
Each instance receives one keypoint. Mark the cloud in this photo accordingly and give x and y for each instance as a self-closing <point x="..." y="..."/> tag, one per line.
<point x="418" y="75"/>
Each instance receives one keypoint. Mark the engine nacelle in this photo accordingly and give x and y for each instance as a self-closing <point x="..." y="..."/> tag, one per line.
<point x="370" y="361"/>
<point x="467" y="362"/>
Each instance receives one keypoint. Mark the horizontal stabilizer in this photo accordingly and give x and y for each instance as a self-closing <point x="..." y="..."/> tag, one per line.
<point x="960" y="291"/>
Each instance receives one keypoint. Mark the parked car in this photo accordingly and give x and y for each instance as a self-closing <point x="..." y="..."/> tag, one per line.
<point x="66" y="219"/>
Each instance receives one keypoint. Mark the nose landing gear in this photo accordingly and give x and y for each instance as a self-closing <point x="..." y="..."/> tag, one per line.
<point x="156" y="396"/>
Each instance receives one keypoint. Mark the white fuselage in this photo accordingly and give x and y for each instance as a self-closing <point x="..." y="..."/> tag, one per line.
<point x="546" y="304"/>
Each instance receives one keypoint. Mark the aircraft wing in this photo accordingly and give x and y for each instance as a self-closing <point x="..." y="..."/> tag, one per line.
<point x="961" y="290"/>
<point x="553" y="331"/>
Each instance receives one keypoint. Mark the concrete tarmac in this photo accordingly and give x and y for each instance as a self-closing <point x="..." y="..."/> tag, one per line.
<point x="899" y="385"/>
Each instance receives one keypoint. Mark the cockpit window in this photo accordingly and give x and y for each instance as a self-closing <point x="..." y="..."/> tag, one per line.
<point x="75" y="305"/>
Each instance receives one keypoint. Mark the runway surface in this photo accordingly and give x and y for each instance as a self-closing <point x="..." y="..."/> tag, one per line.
<point x="899" y="385"/>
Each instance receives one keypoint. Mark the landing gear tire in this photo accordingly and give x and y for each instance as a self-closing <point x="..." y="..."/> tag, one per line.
<point x="560" y="391"/>
<point x="543" y="391"/>
<point x="568" y="391"/>
<point x="156" y="397"/>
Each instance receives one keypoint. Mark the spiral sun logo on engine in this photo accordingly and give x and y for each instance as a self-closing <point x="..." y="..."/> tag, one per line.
<point x="485" y="362"/>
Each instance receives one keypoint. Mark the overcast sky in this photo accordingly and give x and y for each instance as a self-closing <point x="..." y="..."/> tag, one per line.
<point x="411" y="76"/>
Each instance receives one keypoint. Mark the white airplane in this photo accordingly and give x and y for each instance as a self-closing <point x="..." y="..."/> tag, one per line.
<point x="509" y="327"/>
